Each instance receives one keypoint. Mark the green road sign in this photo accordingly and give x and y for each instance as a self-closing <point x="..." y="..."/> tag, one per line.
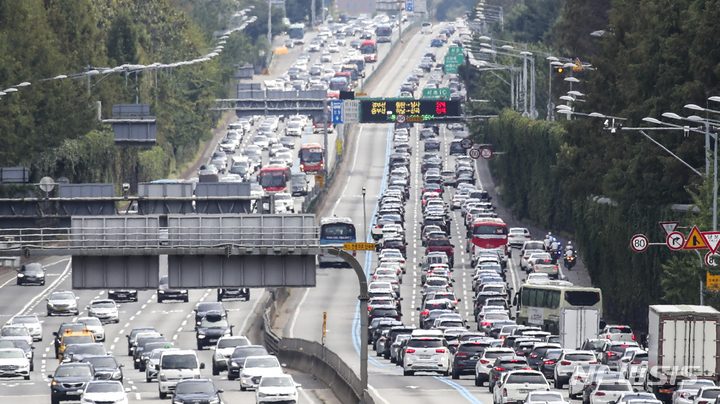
<point x="455" y="50"/>
<point x="437" y="93"/>
<point x="454" y="59"/>
<point x="451" y="69"/>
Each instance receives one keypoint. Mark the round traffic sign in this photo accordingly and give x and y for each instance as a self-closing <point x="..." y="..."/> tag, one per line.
<point x="466" y="143"/>
<point x="486" y="153"/>
<point x="712" y="259"/>
<point x="400" y="118"/>
<point x="675" y="240"/>
<point x="639" y="243"/>
<point x="474" y="153"/>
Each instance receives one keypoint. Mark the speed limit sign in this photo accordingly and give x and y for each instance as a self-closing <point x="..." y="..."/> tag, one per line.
<point x="486" y="153"/>
<point x="639" y="243"/>
<point x="474" y="153"/>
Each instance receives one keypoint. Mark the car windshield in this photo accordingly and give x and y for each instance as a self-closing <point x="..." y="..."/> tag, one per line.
<point x="14" y="332"/>
<point x="25" y="320"/>
<point x="232" y="342"/>
<point x="73" y="371"/>
<point x="103" y="362"/>
<point x="86" y="349"/>
<point x="530" y="378"/>
<point x="615" y="387"/>
<point x="104" y="388"/>
<point x="90" y="321"/>
<point x="103" y="305"/>
<point x="277" y="382"/>
<point x="77" y="339"/>
<point x="261" y="363"/>
<point x="272" y="179"/>
<point x="547" y="397"/>
<point x="12" y="353"/>
<point x="62" y="296"/>
<point x="245" y="352"/>
<point x="182" y="361"/>
<point x="219" y="322"/>
<point x="195" y="387"/>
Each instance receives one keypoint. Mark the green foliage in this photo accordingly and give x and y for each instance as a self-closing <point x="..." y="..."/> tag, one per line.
<point x="122" y="40"/>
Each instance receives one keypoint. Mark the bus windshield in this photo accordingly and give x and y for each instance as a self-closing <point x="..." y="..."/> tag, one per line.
<point x="490" y="229"/>
<point x="272" y="179"/>
<point x="338" y="231"/>
<point x="296" y="31"/>
<point x="338" y="85"/>
<point x="311" y="155"/>
<point x="383" y="31"/>
<point x="368" y="48"/>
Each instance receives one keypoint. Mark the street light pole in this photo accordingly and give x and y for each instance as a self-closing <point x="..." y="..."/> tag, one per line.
<point x="364" y="216"/>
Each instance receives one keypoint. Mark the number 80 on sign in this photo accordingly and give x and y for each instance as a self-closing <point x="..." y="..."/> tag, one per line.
<point x="639" y="243"/>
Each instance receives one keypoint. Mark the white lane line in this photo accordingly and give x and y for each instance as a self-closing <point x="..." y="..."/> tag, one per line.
<point x="247" y="317"/>
<point x="183" y="323"/>
<point x="175" y="337"/>
<point x="112" y="347"/>
<point x="296" y="314"/>
<point x="377" y="394"/>
<point x="52" y="286"/>
<point x="179" y="329"/>
<point x="116" y="339"/>
<point x="306" y="395"/>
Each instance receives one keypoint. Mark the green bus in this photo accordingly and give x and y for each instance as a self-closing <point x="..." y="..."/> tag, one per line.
<point x="541" y="304"/>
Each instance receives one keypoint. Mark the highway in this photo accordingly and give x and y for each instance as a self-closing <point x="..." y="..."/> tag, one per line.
<point x="337" y="289"/>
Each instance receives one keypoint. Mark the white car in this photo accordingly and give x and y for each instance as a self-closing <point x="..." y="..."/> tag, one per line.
<point x="13" y="362"/>
<point x="31" y="322"/>
<point x="256" y="368"/>
<point x="517" y="236"/>
<point x="633" y="365"/>
<point x="526" y="256"/>
<point x="17" y="330"/>
<point x="94" y="325"/>
<point x="333" y="48"/>
<point x="326" y="57"/>
<point x="608" y="391"/>
<point x="262" y="142"/>
<point x="544" y="397"/>
<point x="104" y="309"/>
<point x="277" y="388"/>
<point x="514" y="386"/>
<point x="284" y="203"/>
<point x="427" y="354"/>
<point x="579" y="377"/>
<point x="223" y="351"/>
<point x="617" y="333"/>
<point x="104" y="391"/>
<point x="566" y="363"/>
<point x="538" y="279"/>
<point x="689" y="388"/>
<point x="707" y="395"/>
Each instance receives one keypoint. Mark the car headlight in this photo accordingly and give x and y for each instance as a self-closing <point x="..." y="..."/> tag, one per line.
<point x="262" y="394"/>
<point x="116" y="375"/>
<point x="21" y="275"/>
<point x="161" y="376"/>
<point x="233" y="363"/>
<point x="162" y="292"/>
<point x="200" y="335"/>
<point x="111" y="291"/>
<point x="227" y="333"/>
<point x="214" y="400"/>
<point x="50" y="304"/>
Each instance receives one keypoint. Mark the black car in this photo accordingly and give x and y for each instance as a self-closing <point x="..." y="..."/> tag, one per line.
<point x="211" y="327"/>
<point x="233" y="293"/>
<point x="69" y="381"/>
<point x="384" y="311"/>
<point x="432" y="143"/>
<point x="106" y="367"/>
<point x="466" y="357"/>
<point x="139" y="347"/>
<point x="380" y="323"/>
<point x="547" y="362"/>
<point x="133" y="334"/>
<point x="393" y="332"/>
<point x="20" y="342"/>
<point x="123" y="295"/>
<point x="147" y="351"/>
<point x="165" y="293"/>
<point x="31" y="273"/>
<point x="65" y="327"/>
<point x="194" y="391"/>
<point x="237" y="359"/>
<point x="535" y="358"/>
<point x="77" y="352"/>
<point x="505" y="364"/>
<point x="204" y="308"/>
<point x="396" y="243"/>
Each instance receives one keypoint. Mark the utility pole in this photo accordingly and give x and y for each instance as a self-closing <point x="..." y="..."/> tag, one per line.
<point x="312" y="12"/>
<point x="269" y="28"/>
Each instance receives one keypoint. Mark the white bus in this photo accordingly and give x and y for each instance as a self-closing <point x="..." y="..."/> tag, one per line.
<point x="540" y="305"/>
<point x="334" y="232"/>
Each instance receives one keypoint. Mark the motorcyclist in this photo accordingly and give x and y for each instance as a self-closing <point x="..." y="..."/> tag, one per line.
<point x="547" y="241"/>
<point x="554" y="246"/>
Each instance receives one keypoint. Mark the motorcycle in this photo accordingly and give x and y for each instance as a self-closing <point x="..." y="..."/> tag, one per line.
<point x="570" y="261"/>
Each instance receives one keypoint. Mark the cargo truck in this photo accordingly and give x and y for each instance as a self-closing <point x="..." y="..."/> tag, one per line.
<point x="578" y="324"/>
<point x="682" y="344"/>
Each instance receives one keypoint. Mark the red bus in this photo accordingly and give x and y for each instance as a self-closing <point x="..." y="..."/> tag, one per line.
<point x="488" y="233"/>
<point x="274" y="178"/>
<point x="311" y="157"/>
<point x="369" y="50"/>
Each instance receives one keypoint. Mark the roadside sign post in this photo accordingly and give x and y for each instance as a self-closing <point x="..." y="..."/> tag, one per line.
<point x="639" y="243"/>
<point x="486" y="153"/>
<point x="474" y="153"/>
<point x="436" y="93"/>
<point x="675" y="241"/>
<point x="466" y="143"/>
<point x="669" y="227"/>
<point x="337" y="111"/>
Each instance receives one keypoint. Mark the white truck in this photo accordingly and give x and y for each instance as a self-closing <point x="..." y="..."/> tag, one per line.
<point x="578" y="324"/>
<point x="682" y="344"/>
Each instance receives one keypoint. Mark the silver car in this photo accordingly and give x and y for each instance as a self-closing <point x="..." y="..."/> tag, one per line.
<point x="105" y="310"/>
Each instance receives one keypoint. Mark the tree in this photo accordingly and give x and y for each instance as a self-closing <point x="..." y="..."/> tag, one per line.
<point x="122" y="39"/>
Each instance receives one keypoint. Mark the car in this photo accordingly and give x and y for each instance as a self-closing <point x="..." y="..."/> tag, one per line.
<point x="516" y="384"/>
<point x="203" y="308"/>
<point x="192" y="391"/>
<point x="123" y="295"/>
<point x="549" y="359"/>
<point x="33" y="273"/>
<point x="237" y="359"/>
<point x="104" y="309"/>
<point x="77" y="352"/>
<point x="436" y="43"/>
<point x="535" y="356"/>
<point x="104" y="391"/>
<point x="580" y="374"/>
<point x="617" y="333"/>
<point x="706" y="395"/>
<point x="517" y="236"/>
<point x="466" y="357"/>
<point x="633" y="366"/>
<point x="637" y="396"/>
<point x="544" y="397"/>
<point x="594" y="379"/>
<point x="613" y="351"/>
<point x="609" y="391"/>
<point x="273" y="389"/>
<point x="687" y="389"/>
<point x="135" y="333"/>
<point x="233" y="293"/>
<point x="14" y="363"/>
<point x="565" y="365"/>
<point x="152" y="361"/>
<point x="211" y="327"/>
<point x="326" y="57"/>
<point x="257" y="367"/>
<point x="432" y="144"/>
<point x="427" y="353"/>
<point x="146" y="340"/>
<point x="31" y="322"/>
<point x="62" y="302"/>
<point x="165" y="293"/>
<point x="21" y="343"/>
<point x="106" y="367"/>
<point x="223" y="352"/>
<point x="17" y="330"/>
<point x="145" y="351"/>
<point x="69" y="381"/>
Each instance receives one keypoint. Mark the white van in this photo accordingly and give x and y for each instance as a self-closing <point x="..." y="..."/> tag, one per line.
<point x="175" y="366"/>
<point x="426" y="28"/>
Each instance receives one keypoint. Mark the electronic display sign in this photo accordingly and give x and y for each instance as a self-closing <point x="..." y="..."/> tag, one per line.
<point x="384" y="111"/>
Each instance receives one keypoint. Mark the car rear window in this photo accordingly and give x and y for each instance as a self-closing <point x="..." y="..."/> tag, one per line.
<point x="513" y="364"/>
<point x="495" y="354"/>
<point x="425" y="343"/>
<point x="619" y="348"/>
<point x="530" y="378"/>
<point x="614" y="387"/>
<point x="473" y="349"/>
<point x="620" y="330"/>
<point x="585" y="357"/>
<point x="384" y="312"/>
<point x="711" y="393"/>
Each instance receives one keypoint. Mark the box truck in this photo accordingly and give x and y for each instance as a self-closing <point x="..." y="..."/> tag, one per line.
<point x="578" y="324"/>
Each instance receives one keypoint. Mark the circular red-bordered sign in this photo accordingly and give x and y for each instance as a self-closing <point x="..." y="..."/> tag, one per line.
<point x="639" y="243"/>
<point x="486" y="153"/>
<point x="466" y="143"/>
<point x="675" y="240"/>
<point x="474" y="153"/>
